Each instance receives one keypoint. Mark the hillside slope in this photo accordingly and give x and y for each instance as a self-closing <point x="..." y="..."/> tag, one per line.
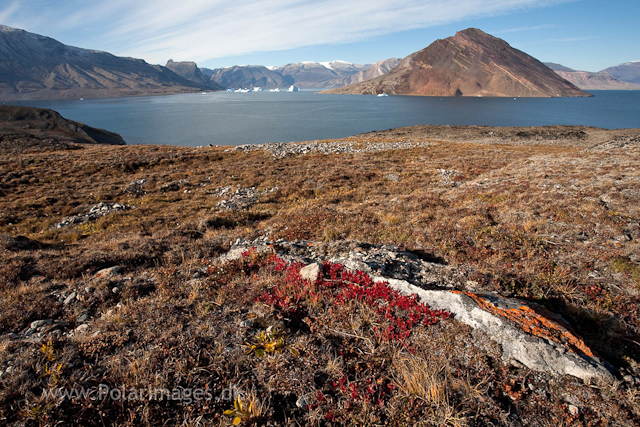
<point x="38" y="67"/>
<point x="472" y="63"/>
<point x="25" y="128"/>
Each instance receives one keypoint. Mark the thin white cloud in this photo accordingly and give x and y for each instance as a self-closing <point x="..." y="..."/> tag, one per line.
<point x="521" y="29"/>
<point x="9" y="11"/>
<point x="198" y="30"/>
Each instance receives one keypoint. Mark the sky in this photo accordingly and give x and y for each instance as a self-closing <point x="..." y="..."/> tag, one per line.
<point x="588" y="35"/>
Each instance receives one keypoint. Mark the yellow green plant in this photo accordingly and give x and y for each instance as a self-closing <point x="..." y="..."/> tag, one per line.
<point x="55" y="370"/>
<point x="244" y="409"/>
<point x="267" y="343"/>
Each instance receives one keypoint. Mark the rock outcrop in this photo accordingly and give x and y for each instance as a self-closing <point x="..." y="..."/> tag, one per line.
<point x="37" y="67"/>
<point x="528" y="334"/>
<point x="472" y="63"/>
<point x="24" y="127"/>
<point x="191" y="72"/>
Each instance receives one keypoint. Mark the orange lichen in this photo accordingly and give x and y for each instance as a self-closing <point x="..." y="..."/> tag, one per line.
<point x="534" y="323"/>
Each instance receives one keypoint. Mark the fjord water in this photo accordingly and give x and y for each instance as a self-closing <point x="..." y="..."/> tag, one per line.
<point x="225" y="118"/>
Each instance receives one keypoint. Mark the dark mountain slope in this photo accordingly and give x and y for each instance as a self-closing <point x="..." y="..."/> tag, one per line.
<point x="37" y="67"/>
<point x="191" y="72"/>
<point x="36" y="128"/>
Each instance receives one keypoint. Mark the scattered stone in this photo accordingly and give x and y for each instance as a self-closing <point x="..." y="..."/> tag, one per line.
<point x="135" y="188"/>
<point x="447" y="176"/>
<point x="89" y="289"/>
<point x="172" y="186"/>
<point x="40" y="323"/>
<point x="94" y="213"/>
<point x="243" y="198"/>
<point x="394" y="177"/>
<point x="82" y="328"/>
<point x="115" y="289"/>
<point x="246" y="323"/>
<point x="221" y="191"/>
<point x="82" y="318"/>
<point x="68" y="300"/>
<point x="305" y="401"/>
<point x="311" y="272"/>
<point x="109" y="272"/>
<point x="282" y="149"/>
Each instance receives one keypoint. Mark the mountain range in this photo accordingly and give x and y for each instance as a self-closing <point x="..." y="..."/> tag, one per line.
<point x="248" y="76"/>
<point x="308" y="74"/>
<point x="586" y="80"/>
<point x="628" y="72"/>
<point x="471" y="63"/>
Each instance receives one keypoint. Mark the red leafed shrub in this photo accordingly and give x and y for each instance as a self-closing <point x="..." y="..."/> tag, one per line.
<point x="339" y="286"/>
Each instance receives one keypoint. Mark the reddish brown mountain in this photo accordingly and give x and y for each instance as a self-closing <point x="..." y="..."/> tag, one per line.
<point x="472" y="63"/>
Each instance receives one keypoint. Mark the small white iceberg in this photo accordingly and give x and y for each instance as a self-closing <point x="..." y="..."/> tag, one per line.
<point x="274" y="90"/>
<point x="293" y="88"/>
<point x="382" y="94"/>
<point x="229" y="90"/>
<point x="257" y="89"/>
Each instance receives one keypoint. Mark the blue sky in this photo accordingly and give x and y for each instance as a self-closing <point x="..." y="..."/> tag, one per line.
<point x="582" y="34"/>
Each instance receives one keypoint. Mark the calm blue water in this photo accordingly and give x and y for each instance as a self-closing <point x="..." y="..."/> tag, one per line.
<point x="245" y="118"/>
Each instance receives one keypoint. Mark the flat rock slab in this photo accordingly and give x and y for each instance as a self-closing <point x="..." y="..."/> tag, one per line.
<point x="529" y="334"/>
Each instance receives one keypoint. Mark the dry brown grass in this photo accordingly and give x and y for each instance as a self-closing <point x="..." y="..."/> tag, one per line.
<point x="557" y="224"/>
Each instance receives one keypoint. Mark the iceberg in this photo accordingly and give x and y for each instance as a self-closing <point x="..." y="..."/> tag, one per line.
<point x="382" y="94"/>
<point x="293" y="88"/>
<point x="274" y="90"/>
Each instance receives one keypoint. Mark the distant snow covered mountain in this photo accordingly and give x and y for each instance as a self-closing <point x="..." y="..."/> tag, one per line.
<point x="307" y="74"/>
<point x="321" y="74"/>
<point x="248" y="76"/>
